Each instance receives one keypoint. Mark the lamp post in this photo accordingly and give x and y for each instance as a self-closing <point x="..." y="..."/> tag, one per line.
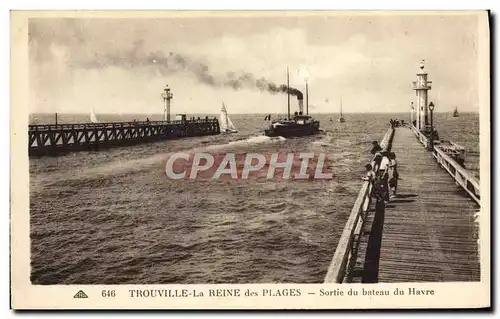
<point x="431" y="108"/>
<point x="431" y="137"/>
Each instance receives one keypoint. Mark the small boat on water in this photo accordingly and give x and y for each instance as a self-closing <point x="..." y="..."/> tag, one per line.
<point x="341" y="117"/>
<point x="226" y="125"/>
<point x="296" y="126"/>
<point x="455" y="113"/>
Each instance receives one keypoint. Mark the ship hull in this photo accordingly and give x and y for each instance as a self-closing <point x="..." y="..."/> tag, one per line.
<point x="293" y="130"/>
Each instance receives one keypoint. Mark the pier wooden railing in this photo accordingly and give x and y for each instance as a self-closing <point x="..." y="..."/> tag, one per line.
<point x="54" y="127"/>
<point x="344" y="256"/>
<point x="421" y="137"/>
<point x="461" y="176"/>
<point x="58" y="139"/>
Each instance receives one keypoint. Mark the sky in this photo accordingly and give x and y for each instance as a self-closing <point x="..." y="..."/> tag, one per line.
<point x="121" y="65"/>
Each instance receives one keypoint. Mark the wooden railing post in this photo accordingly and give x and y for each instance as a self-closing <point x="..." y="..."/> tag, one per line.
<point x="344" y="253"/>
<point x="461" y="176"/>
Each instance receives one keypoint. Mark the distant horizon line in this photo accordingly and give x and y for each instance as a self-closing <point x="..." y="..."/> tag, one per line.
<point x="145" y="113"/>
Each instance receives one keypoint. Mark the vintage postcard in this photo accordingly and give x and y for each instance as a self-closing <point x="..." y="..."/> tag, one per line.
<point x="250" y="160"/>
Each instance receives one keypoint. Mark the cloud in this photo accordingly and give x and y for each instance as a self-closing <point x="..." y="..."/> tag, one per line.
<point x="123" y="66"/>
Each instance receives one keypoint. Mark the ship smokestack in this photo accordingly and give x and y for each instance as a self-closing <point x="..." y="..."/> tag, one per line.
<point x="288" y="90"/>
<point x="301" y="106"/>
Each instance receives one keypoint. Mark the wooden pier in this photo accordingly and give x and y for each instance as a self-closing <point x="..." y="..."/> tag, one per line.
<point x="59" y="139"/>
<point x="427" y="233"/>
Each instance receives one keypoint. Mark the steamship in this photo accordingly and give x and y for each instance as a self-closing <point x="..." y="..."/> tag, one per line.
<point x="296" y="126"/>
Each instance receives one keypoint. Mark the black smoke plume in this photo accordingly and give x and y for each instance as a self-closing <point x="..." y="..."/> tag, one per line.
<point x="175" y="62"/>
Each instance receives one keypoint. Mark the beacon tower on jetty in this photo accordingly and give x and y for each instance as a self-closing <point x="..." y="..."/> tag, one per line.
<point x="167" y="96"/>
<point x="421" y="86"/>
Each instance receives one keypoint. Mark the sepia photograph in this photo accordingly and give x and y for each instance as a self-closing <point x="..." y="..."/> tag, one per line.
<point x="217" y="148"/>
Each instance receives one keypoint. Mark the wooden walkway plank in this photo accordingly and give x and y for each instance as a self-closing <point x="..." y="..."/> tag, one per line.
<point x="428" y="231"/>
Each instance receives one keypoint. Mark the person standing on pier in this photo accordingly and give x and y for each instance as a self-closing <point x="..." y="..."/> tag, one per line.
<point x="377" y="159"/>
<point x="378" y="185"/>
<point x="394" y="175"/>
<point x="383" y="173"/>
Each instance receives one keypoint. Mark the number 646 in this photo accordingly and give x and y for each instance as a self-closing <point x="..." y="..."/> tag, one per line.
<point x="108" y="293"/>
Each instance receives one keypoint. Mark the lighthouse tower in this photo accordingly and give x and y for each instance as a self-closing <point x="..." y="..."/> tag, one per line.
<point x="421" y="86"/>
<point x="167" y="96"/>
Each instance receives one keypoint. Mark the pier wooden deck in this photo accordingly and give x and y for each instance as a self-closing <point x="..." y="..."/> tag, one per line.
<point x="428" y="232"/>
<point x="54" y="139"/>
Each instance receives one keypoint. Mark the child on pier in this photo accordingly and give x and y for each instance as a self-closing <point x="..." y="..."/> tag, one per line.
<point x="370" y="174"/>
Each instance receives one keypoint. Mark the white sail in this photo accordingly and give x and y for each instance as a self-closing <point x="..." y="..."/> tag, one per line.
<point x="230" y="124"/>
<point x="341" y="107"/>
<point x="225" y="121"/>
<point x="93" y="118"/>
<point x="341" y="118"/>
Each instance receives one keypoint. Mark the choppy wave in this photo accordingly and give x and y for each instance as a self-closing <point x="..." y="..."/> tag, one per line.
<point x="112" y="217"/>
<point x="244" y="142"/>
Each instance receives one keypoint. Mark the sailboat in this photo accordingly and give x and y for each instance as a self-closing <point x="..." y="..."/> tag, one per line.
<point x="226" y="125"/>
<point x="455" y="113"/>
<point x="341" y="118"/>
<point x="93" y="118"/>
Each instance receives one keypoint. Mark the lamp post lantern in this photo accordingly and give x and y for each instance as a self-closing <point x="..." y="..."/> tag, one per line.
<point x="431" y="108"/>
<point x="431" y="136"/>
